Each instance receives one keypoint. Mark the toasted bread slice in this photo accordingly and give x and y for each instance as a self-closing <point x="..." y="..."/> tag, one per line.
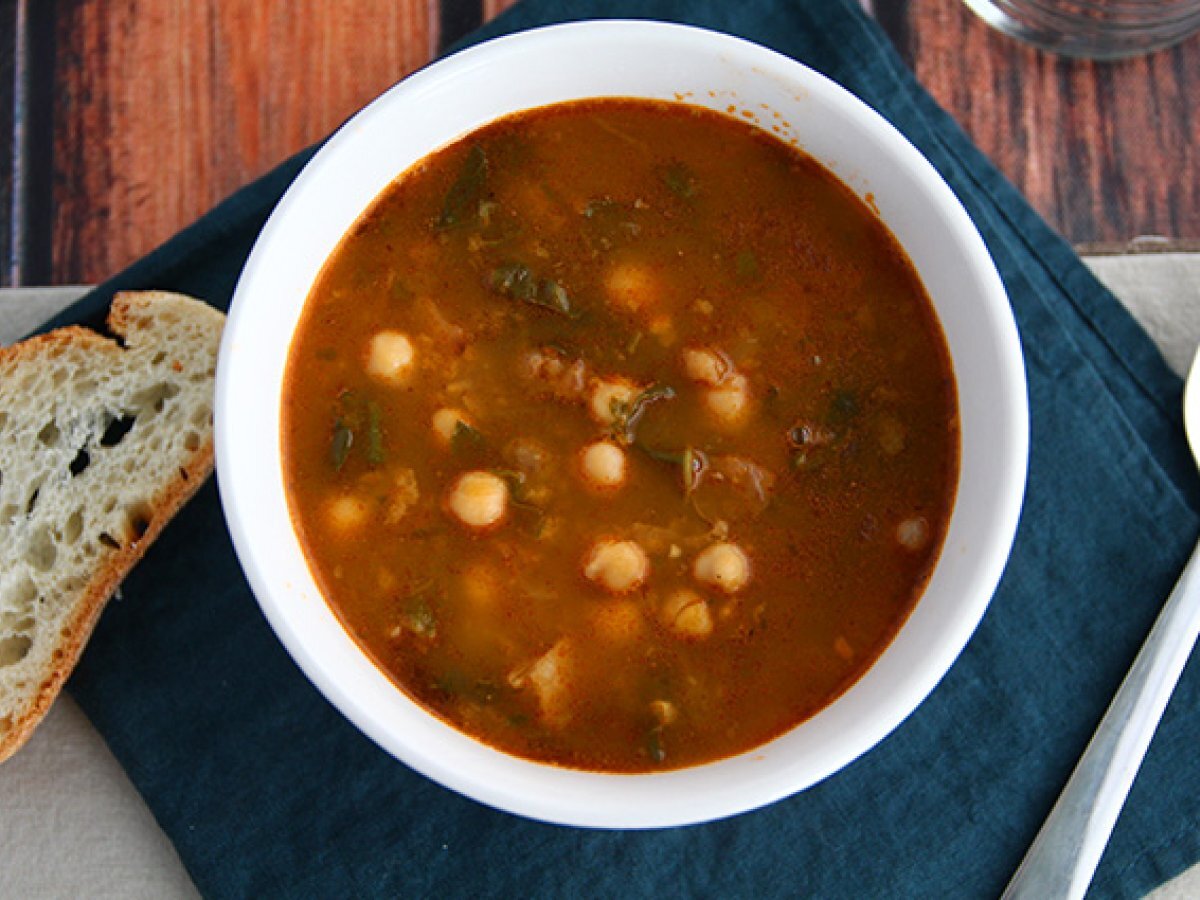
<point x="100" y="444"/>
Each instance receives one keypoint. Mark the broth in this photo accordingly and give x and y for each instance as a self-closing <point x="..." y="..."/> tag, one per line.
<point x="620" y="434"/>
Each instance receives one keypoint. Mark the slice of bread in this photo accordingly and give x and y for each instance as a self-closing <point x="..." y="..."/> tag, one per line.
<point x="101" y="442"/>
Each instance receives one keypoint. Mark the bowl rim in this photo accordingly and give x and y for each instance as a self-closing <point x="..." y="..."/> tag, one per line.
<point x="547" y="792"/>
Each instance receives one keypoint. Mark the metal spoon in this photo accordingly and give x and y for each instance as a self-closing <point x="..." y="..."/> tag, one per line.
<point x="1063" y="857"/>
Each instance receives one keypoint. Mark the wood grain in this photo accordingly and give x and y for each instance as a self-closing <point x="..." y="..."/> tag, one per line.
<point x="26" y="117"/>
<point x="493" y="8"/>
<point x="8" y="53"/>
<point x="166" y="108"/>
<point x="161" y="109"/>
<point x="1105" y="151"/>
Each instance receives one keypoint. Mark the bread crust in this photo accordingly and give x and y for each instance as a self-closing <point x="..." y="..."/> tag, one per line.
<point x="130" y="312"/>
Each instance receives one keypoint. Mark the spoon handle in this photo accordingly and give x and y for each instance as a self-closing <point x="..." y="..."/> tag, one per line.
<point x="1062" y="859"/>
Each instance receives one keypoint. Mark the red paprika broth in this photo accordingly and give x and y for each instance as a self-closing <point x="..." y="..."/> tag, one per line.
<point x="621" y="435"/>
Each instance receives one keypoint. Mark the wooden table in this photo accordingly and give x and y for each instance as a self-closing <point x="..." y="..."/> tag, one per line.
<point x="129" y="119"/>
<point x="121" y="121"/>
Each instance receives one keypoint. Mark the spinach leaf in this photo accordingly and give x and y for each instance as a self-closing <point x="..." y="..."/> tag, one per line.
<point x="680" y="180"/>
<point x="418" y="616"/>
<point x="627" y="416"/>
<point x="339" y="448"/>
<point x="357" y="417"/>
<point x="843" y="406"/>
<point x="691" y="462"/>
<point x="515" y="280"/>
<point x="533" y="516"/>
<point x="462" y="202"/>
<point x="553" y="295"/>
<point x="518" y="282"/>
<point x="374" y="433"/>
<point x="465" y="439"/>
<point x="611" y="221"/>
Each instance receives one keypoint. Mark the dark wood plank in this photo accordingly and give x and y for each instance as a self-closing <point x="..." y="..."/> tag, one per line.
<point x="27" y="124"/>
<point x="893" y="18"/>
<point x="8" y="89"/>
<point x="1107" y="152"/>
<point x="493" y="8"/>
<point x="163" y="109"/>
<point x="33" y="149"/>
<point x="457" y="19"/>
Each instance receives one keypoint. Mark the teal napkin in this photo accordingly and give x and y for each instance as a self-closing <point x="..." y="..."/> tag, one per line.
<point x="267" y="791"/>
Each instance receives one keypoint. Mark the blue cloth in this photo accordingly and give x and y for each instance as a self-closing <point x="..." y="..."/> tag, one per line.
<point x="267" y="791"/>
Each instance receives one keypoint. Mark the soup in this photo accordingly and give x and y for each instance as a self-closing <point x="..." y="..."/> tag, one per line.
<point x="620" y="434"/>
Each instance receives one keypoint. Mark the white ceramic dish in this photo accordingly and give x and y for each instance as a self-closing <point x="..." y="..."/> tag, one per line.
<point x="637" y="59"/>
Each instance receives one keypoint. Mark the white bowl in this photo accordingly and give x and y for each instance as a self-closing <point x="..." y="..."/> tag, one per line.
<point x="634" y="59"/>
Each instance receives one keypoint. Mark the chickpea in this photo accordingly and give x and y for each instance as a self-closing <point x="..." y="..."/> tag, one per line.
<point x="706" y="365"/>
<point x="603" y="464"/>
<point x="346" y="511"/>
<point x="913" y="533"/>
<point x="479" y="585"/>
<point x="617" y="566"/>
<point x="445" y="423"/>
<point x="390" y="356"/>
<point x="479" y="499"/>
<point x="385" y="580"/>
<point x="729" y="402"/>
<point x="632" y="286"/>
<point x="663" y="328"/>
<point x="687" y="614"/>
<point x="608" y="393"/>
<point x="723" y="565"/>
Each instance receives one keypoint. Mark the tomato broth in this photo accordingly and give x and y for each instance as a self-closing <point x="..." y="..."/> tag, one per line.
<point x="621" y="435"/>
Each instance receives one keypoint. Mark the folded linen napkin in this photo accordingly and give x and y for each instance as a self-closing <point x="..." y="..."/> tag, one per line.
<point x="267" y="791"/>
